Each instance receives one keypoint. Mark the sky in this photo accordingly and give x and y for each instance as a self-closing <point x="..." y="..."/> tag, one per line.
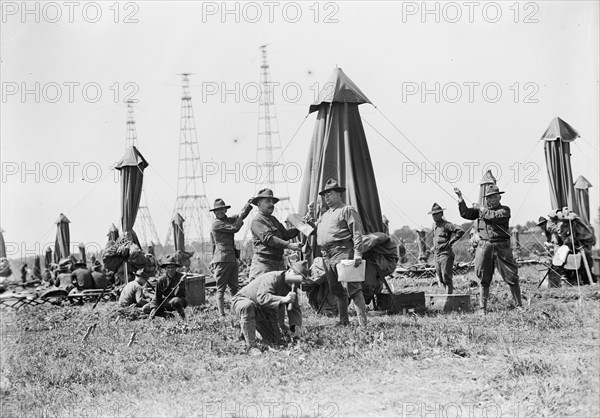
<point x="461" y="86"/>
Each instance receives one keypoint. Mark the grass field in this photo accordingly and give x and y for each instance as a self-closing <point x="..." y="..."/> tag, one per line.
<point x="541" y="362"/>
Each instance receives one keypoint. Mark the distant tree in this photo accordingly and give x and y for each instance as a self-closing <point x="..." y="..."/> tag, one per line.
<point x="405" y="233"/>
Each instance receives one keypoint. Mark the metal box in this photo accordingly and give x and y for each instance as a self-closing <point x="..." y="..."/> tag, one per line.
<point x="448" y="303"/>
<point x="195" y="289"/>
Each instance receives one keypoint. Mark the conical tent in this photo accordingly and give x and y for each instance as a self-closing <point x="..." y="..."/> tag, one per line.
<point x="131" y="166"/>
<point x="339" y="150"/>
<point x="63" y="238"/>
<point x="557" y="139"/>
<point x="113" y="233"/>
<point x="48" y="257"/>
<point x="178" y="234"/>
<point x="2" y="245"/>
<point x="486" y="181"/>
<point x="81" y="247"/>
<point x="37" y="267"/>
<point x="583" y="198"/>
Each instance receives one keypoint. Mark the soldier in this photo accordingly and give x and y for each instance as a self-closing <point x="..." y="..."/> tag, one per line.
<point x="493" y="249"/>
<point x="445" y="234"/>
<point x="339" y="234"/>
<point x="133" y="292"/>
<point x="82" y="277"/>
<point x="257" y="305"/>
<point x="224" y="261"/>
<point x="270" y="237"/>
<point x="170" y="291"/>
<point x="100" y="280"/>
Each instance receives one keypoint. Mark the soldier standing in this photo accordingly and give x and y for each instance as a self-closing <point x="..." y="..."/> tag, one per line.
<point x="224" y="261"/>
<point x="493" y="249"/>
<point x="445" y="234"/>
<point x="339" y="234"/>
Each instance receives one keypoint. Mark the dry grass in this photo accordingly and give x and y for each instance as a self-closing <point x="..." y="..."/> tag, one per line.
<point x="543" y="362"/>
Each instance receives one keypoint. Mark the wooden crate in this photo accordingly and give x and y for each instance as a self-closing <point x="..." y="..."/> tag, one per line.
<point x="195" y="289"/>
<point x="448" y="303"/>
<point x="401" y="302"/>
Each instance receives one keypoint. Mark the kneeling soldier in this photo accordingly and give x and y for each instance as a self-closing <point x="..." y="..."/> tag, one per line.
<point x="170" y="291"/>
<point x="257" y="303"/>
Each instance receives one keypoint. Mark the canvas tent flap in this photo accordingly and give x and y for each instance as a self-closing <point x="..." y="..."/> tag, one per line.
<point x="559" y="130"/>
<point x="582" y="183"/>
<point x="339" y="88"/>
<point x="132" y="158"/>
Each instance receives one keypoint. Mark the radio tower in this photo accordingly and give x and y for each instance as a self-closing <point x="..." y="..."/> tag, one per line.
<point x="191" y="202"/>
<point x="269" y="143"/>
<point x="145" y="226"/>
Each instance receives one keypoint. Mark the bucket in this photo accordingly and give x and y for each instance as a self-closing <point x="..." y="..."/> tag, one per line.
<point x="195" y="289"/>
<point x="348" y="273"/>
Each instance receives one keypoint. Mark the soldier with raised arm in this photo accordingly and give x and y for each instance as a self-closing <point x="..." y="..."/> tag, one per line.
<point x="494" y="249"/>
<point x="224" y="261"/>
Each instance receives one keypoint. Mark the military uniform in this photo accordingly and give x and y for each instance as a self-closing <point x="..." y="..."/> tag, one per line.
<point x="445" y="234"/>
<point x="339" y="234"/>
<point x="224" y="261"/>
<point x="269" y="239"/>
<point x="257" y="305"/>
<point x="493" y="249"/>
<point x="177" y="301"/>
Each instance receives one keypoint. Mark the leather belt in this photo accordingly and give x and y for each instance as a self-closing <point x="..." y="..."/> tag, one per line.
<point x="337" y="244"/>
<point x="272" y="257"/>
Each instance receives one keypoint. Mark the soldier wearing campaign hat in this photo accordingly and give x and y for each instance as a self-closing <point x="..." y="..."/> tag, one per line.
<point x="445" y="234"/>
<point x="269" y="237"/>
<point x="339" y="235"/>
<point x="224" y="261"/>
<point x="493" y="249"/>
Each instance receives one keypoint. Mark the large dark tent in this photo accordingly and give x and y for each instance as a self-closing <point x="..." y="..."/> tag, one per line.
<point x="557" y="148"/>
<point x="339" y="150"/>
<point x="583" y="198"/>
<point x="63" y="238"/>
<point x="131" y="166"/>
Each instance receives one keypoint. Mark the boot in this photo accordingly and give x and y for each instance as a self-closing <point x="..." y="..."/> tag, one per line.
<point x="221" y="305"/>
<point x="361" y="308"/>
<point x="249" y="332"/>
<point x="484" y="295"/>
<point x="181" y="313"/>
<point x="342" y="305"/>
<point x="516" y="294"/>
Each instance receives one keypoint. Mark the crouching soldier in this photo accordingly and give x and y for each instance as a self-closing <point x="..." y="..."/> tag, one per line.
<point x="257" y="303"/>
<point x="170" y="291"/>
<point x="133" y="292"/>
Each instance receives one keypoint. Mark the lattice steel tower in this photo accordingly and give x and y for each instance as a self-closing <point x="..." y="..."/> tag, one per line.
<point x="145" y="228"/>
<point x="191" y="202"/>
<point x="269" y="144"/>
